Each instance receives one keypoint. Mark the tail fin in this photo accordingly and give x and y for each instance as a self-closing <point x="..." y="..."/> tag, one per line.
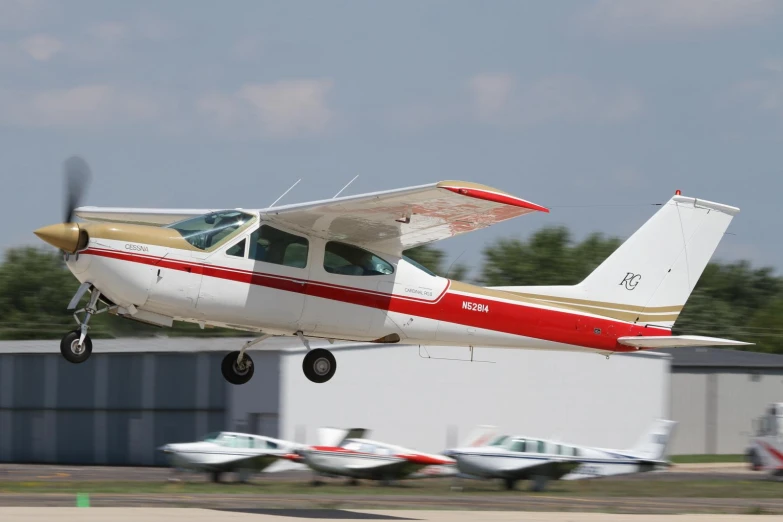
<point x="480" y="436"/>
<point x="336" y="436"/>
<point x="652" y="446"/>
<point x="648" y="279"/>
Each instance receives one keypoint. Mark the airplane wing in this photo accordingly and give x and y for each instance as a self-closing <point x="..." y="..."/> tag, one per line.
<point x="388" y="221"/>
<point x="395" y="220"/>
<point x="139" y="216"/>
<point x="553" y="469"/>
<point x="258" y="462"/>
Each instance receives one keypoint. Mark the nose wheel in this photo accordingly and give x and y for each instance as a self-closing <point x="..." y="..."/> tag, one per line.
<point x="74" y="349"/>
<point x="319" y="365"/>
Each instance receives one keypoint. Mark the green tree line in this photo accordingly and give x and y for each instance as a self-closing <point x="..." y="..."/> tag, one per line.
<point x="733" y="300"/>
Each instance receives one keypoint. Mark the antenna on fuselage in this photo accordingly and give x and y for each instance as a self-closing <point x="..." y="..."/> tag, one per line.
<point x="345" y="187"/>
<point x="284" y="193"/>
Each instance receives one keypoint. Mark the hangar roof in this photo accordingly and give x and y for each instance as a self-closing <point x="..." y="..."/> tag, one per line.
<point x="693" y="357"/>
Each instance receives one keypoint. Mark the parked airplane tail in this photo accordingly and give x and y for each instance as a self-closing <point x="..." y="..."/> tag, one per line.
<point x="335" y="436"/>
<point x="479" y="436"/>
<point x="648" y="279"/>
<point x="652" y="446"/>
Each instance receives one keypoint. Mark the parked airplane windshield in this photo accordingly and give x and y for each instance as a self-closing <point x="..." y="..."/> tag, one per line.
<point x="210" y="230"/>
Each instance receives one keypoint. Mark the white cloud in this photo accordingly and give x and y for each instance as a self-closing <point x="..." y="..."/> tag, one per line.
<point x="283" y="109"/>
<point x="631" y="16"/>
<point x="82" y="107"/>
<point x="499" y="99"/>
<point x="41" y="47"/>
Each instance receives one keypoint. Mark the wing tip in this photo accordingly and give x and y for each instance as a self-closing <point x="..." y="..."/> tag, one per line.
<point x="474" y="190"/>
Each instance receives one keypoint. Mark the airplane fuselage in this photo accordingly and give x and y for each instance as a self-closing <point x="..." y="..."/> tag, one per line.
<point x="153" y="279"/>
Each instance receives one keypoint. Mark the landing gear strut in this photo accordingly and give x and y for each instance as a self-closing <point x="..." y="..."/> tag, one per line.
<point x="76" y="346"/>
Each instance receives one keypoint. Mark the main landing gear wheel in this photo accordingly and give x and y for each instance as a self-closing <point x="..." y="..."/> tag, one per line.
<point x="319" y="365"/>
<point x="73" y="351"/>
<point x="236" y="371"/>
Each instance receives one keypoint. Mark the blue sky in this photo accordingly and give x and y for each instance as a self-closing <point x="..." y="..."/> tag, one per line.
<point x="595" y="109"/>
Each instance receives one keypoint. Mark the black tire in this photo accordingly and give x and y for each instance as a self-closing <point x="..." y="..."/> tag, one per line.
<point x="232" y="372"/>
<point x="509" y="484"/>
<point x="753" y="459"/>
<point x="69" y="347"/>
<point x="215" y="476"/>
<point x="319" y="365"/>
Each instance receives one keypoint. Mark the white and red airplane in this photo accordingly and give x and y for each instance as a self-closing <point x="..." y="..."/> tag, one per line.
<point x="346" y="453"/>
<point x="335" y="269"/>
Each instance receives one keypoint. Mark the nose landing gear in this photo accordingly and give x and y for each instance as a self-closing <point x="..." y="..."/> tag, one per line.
<point x="76" y="346"/>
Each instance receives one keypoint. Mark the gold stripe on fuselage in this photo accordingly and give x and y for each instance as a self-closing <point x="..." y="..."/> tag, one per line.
<point x="627" y="313"/>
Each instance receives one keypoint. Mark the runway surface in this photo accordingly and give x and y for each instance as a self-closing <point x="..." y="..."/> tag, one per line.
<point x="206" y="515"/>
<point x="23" y="484"/>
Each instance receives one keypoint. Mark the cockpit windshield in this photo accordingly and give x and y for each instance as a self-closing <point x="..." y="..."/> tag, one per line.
<point x="210" y="230"/>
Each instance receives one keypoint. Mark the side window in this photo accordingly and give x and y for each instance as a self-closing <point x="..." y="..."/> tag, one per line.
<point x="344" y="259"/>
<point x="517" y="445"/>
<point x="541" y="446"/>
<point x="277" y="247"/>
<point x="532" y="446"/>
<point x="237" y="250"/>
<point x="271" y="445"/>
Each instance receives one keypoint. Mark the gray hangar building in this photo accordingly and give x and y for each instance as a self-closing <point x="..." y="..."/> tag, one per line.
<point x="134" y="395"/>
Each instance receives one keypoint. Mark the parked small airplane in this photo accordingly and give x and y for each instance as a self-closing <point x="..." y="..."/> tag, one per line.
<point x="346" y="453"/>
<point x="335" y="269"/>
<point x="223" y="452"/>
<point x="538" y="460"/>
<point x="765" y="452"/>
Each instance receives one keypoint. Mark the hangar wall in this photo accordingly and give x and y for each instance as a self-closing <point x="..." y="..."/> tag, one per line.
<point x="135" y="395"/>
<point x="715" y="407"/>
<point x="113" y="409"/>
<point x="431" y="404"/>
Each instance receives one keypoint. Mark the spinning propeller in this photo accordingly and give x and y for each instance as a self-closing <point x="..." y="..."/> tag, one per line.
<point x="68" y="236"/>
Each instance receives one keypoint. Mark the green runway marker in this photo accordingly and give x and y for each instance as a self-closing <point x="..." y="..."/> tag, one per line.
<point x="82" y="500"/>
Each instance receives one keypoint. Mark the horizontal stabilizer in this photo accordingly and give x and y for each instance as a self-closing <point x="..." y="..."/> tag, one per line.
<point x="675" y="341"/>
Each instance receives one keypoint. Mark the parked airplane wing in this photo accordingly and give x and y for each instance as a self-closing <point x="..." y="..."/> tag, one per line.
<point x="394" y="220"/>
<point x="257" y="462"/>
<point x="673" y="341"/>
<point x="527" y="468"/>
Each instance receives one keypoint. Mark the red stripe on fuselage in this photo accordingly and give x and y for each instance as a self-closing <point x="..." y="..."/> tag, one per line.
<point x="505" y="317"/>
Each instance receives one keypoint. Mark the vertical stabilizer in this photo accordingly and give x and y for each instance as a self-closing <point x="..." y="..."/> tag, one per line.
<point x="652" y="446"/>
<point x="654" y="272"/>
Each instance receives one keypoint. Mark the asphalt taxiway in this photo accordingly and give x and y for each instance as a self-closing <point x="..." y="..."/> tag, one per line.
<point x="197" y="515"/>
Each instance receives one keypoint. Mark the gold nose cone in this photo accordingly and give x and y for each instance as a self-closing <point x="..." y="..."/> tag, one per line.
<point x="64" y="236"/>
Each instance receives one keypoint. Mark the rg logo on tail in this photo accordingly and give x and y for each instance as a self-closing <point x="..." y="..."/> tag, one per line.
<point x="631" y="280"/>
